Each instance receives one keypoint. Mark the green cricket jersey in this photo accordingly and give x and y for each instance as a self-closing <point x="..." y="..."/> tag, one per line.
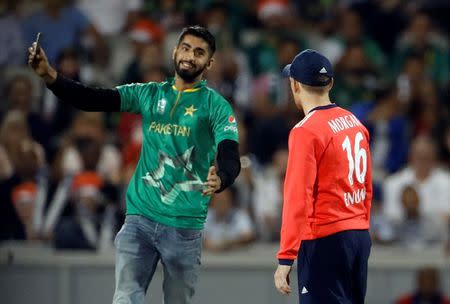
<point x="181" y="132"/>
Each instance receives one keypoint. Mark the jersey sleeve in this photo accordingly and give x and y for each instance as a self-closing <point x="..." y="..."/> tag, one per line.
<point x="223" y="121"/>
<point x="298" y="191"/>
<point x="132" y="96"/>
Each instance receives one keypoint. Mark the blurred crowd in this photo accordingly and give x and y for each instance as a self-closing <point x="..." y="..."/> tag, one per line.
<point x="63" y="173"/>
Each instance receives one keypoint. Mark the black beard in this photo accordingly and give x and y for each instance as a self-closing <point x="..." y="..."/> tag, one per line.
<point x="187" y="76"/>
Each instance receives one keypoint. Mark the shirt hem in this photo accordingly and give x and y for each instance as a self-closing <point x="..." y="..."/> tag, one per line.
<point x="165" y="221"/>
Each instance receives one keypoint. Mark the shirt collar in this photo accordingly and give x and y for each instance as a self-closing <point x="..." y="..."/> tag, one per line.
<point x="326" y="107"/>
<point x="200" y="84"/>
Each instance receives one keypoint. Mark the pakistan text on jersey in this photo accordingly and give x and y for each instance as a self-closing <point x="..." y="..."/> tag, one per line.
<point x="169" y="129"/>
<point x="343" y="122"/>
<point x="355" y="197"/>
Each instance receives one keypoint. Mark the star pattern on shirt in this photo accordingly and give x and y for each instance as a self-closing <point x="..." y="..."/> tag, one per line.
<point x="155" y="178"/>
<point x="190" y="111"/>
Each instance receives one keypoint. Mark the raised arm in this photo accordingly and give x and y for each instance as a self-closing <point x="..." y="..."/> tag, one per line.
<point x="78" y="95"/>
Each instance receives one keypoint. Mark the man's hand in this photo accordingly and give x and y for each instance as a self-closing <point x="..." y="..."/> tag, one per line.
<point x="38" y="61"/>
<point x="281" y="279"/>
<point x="213" y="182"/>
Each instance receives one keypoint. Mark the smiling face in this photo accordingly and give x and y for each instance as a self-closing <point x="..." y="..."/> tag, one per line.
<point x="191" y="57"/>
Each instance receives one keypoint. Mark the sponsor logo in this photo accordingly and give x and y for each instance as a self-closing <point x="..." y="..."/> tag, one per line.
<point x="230" y="128"/>
<point x="304" y="290"/>
<point x="231" y="119"/>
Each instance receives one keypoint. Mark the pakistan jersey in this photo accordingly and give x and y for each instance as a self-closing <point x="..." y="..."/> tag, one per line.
<point x="181" y="131"/>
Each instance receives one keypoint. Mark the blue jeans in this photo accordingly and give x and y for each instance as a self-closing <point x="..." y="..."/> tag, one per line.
<point x="140" y="244"/>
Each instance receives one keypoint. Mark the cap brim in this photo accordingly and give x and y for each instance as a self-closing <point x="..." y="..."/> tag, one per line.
<point x="286" y="71"/>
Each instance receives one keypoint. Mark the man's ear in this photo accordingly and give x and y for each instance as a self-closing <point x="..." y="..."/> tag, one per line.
<point x="210" y="62"/>
<point x="295" y="86"/>
<point x="331" y="84"/>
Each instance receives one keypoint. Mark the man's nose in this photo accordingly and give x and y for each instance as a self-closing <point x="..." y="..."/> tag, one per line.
<point x="189" y="56"/>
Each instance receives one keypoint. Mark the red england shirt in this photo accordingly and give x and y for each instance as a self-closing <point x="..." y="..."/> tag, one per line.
<point x="328" y="183"/>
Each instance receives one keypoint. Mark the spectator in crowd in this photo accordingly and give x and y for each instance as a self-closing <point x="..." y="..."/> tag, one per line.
<point x="383" y="19"/>
<point x="230" y="76"/>
<point x="91" y="224"/>
<point x="227" y="226"/>
<point x="420" y="97"/>
<point x="216" y="17"/>
<point x="146" y="37"/>
<point x="268" y="98"/>
<point x="428" y="110"/>
<point x="11" y="40"/>
<point x="11" y="227"/>
<point x="62" y="26"/>
<point x="87" y="125"/>
<point x="389" y="129"/>
<point x="321" y="26"/>
<point x="24" y="194"/>
<point x="272" y="113"/>
<point x="14" y="129"/>
<point x="432" y="183"/>
<point x="275" y="18"/>
<point x="428" y="289"/>
<point x="111" y="17"/>
<point x="20" y="96"/>
<point x="170" y="14"/>
<point x="418" y="231"/>
<point x="421" y="39"/>
<point x="355" y="77"/>
<point x="20" y="158"/>
<point x="268" y="196"/>
<point x="410" y="79"/>
<point x="351" y="31"/>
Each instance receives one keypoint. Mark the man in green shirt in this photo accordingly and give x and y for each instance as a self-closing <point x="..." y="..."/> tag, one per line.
<point x="186" y="128"/>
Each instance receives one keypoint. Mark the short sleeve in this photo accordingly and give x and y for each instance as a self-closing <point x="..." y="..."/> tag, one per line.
<point x="133" y="95"/>
<point x="223" y="121"/>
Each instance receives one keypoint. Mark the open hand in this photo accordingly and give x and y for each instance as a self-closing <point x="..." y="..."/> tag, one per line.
<point x="213" y="182"/>
<point x="281" y="279"/>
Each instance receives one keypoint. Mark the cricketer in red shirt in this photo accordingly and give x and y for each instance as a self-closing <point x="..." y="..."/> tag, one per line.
<point x="328" y="185"/>
<point x="327" y="192"/>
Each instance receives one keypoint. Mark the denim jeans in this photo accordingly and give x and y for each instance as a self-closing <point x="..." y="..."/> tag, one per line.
<point x="140" y="244"/>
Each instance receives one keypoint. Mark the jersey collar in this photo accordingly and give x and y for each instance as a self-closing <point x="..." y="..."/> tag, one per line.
<point x="195" y="88"/>
<point x="326" y="107"/>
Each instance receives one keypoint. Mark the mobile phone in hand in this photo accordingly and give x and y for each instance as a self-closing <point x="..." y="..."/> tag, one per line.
<point x="38" y="42"/>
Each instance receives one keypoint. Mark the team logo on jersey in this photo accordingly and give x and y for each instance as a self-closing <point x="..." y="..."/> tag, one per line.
<point x="190" y="111"/>
<point x="161" y="106"/>
<point x="231" y="119"/>
<point x="169" y="191"/>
